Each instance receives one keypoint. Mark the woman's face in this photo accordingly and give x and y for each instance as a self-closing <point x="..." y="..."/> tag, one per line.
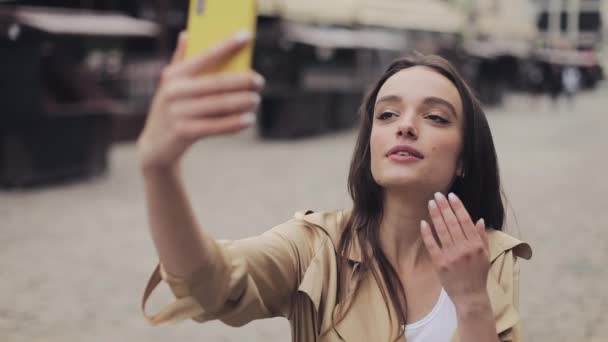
<point x="417" y="131"/>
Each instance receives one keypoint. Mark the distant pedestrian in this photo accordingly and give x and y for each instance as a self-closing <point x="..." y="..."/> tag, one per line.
<point x="534" y="78"/>
<point x="555" y="83"/>
<point x="571" y="83"/>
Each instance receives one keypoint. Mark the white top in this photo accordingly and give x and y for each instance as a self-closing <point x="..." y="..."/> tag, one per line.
<point x="438" y="326"/>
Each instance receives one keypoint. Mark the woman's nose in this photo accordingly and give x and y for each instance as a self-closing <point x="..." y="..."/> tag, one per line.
<point x="407" y="127"/>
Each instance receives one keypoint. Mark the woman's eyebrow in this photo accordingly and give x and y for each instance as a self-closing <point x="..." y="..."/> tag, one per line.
<point x="432" y="100"/>
<point x="390" y="98"/>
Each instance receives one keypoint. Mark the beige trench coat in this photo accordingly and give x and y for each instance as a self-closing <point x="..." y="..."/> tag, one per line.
<point x="291" y="271"/>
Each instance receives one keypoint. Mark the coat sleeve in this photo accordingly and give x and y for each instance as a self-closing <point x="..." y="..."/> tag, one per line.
<point x="248" y="279"/>
<point x="510" y="283"/>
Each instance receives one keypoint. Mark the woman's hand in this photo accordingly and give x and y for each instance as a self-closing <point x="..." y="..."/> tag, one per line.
<point x="459" y="251"/>
<point x="191" y="103"/>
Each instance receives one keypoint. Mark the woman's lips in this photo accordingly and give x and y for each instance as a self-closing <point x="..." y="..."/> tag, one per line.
<point x="404" y="154"/>
<point x="402" y="157"/>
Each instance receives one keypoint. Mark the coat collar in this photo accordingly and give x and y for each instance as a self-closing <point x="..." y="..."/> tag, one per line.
<point x="332" y="223"/>
<point x="505" y="314"/>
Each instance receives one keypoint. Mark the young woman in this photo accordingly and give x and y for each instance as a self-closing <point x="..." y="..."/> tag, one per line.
<point x="419" y="257"/>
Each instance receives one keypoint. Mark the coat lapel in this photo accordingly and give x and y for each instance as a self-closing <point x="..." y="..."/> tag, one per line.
<point x="368" y="319"/>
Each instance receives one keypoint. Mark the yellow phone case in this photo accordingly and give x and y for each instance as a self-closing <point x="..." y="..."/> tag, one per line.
<point x="213" y="21"/>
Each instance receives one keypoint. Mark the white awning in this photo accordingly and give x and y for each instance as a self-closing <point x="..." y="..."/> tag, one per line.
<point x="510" y="28"/>
<point x="80" y="22"/>
<point x="567" y="57"/>
<point x="269" y="7"/>
<point x="510" y="20"/>
<point x="332" y="37"/>
<point x="431" y="16"/>
<point x="428" y="15"/>
<point x="329" y="12"/>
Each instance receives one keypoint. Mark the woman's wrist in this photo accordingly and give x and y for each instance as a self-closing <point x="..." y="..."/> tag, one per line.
<point x="476" y="319"/>
<point x="473" y="305"/>
<point x="154" y="171"/>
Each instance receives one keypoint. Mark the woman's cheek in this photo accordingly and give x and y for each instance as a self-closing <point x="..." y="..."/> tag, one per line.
<point x="375" y="162"/>
<point x="446" y="154"/>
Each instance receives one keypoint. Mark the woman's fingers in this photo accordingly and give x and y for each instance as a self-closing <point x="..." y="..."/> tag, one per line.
<point x="214" y="57"/>
<point x="463" y="217"/>
<point x="474" y="233"/>
<point x="203" y="127"/>
<point x="180" y="50"/>
<point x="216" y="105"/>
<point x="449" y="218"/>
<point x="445" y="239"/>
<point x="429" y="240"/>
<point x="481" y="229"/>
<point x="188" y="107"/>
<point x="184" y="88"/>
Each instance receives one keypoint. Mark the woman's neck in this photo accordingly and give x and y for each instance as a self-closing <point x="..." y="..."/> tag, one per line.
<point x="400" y="236"/>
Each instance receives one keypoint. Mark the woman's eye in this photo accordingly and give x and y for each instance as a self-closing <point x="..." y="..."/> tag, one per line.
<point x="385" y="115"/>
<point x="437" y="119"/>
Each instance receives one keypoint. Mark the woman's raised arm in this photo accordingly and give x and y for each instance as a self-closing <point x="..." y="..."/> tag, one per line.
<point x="190" y="104"/>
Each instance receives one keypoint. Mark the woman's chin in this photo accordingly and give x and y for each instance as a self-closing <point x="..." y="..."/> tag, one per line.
<point x="399" y="182"/>
<point x="411" y="183"/>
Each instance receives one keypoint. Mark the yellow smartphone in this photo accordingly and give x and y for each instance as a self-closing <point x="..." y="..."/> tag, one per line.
<point x="213" y="21"/>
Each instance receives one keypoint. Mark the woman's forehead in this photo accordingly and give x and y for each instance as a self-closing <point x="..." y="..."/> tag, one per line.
<point x="417" y="83"/>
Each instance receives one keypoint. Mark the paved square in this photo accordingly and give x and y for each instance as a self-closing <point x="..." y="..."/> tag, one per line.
<point x="74" y="258"/>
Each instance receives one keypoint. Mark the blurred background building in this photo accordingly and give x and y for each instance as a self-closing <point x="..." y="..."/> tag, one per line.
<point x="77" y="75"/>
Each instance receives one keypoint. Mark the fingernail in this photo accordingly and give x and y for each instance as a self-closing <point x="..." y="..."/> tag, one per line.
<point x="257" y="99"/>
<point x="452" y="197"/>
<point x="432" y="204"/>
<point x="438" y="195"/>
<point x="259" y="80"/>
<point x="248" y="118"/>
<point x="242" y="36"/>
<point x="483" y="222"/>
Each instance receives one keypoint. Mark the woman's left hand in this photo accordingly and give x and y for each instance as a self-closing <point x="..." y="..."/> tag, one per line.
<point x="459" y="250"/>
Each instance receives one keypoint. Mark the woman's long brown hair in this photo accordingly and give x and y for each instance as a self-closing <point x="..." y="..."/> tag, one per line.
<point x="479" y="189"/>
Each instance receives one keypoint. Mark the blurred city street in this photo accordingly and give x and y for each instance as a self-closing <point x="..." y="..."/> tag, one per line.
<point x="75" y="257"/>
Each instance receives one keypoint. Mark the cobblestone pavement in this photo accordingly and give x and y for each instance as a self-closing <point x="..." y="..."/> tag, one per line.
<point x="74" y="258"/>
